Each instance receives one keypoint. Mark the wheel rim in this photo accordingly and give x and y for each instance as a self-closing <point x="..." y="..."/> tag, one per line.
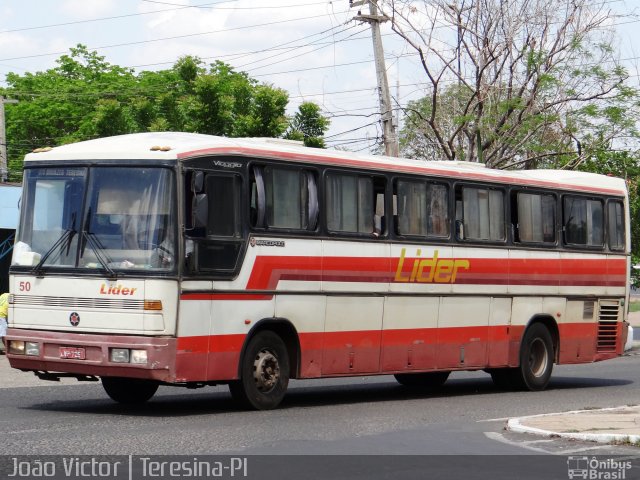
<point x="538" y="358"/>
<point x="266" y="370"/>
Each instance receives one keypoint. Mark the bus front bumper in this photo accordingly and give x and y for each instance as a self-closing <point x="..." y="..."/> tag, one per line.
<point x="89" y="354"/>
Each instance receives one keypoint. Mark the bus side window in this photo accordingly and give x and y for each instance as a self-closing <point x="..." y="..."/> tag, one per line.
<point x="423" y="208"/>
<point x="352" y="203"/>
<point x="480" y="214"/>
<point x="615" y="225"/>
<point x="583" y="221"/>
<point x="283" y="198"/>
<point x="533" y="217"/>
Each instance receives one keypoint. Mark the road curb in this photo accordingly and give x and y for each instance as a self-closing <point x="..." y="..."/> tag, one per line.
<point x="518" y="425"/>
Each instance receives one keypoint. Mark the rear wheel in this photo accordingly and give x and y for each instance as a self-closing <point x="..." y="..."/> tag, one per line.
<point x="264" y="373"/>
<point x="536" y="363"/>
<point x="536" y="357"/>
<point x="422" y="380"/>
<point x="129" y="391"/>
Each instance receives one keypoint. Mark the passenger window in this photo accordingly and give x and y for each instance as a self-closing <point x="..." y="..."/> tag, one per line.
<point x="355" y="204"/>
<point x="423" y="209"/>
<point x="284" y="198"/>
<point x="615" y="223"/>
<point x="536" y="218"/>
<point x="480" y="211"/>
<point x="583" y="222"/>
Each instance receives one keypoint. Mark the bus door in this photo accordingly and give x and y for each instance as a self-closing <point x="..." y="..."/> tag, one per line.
<point x="214" y="244"/>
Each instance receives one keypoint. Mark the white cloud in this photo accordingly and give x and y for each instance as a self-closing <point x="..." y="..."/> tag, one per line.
<point x="85" y="9"/>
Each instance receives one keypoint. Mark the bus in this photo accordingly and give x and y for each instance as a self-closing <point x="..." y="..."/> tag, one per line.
<point x="192" y="260"/>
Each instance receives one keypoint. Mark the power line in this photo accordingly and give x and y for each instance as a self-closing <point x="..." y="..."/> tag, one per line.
<point x="320" y="47"/>
<point x="152" y="12"/>
<point x="176" y="37"/>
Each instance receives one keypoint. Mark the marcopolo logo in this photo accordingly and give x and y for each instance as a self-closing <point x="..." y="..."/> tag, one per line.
<point x="597" y="468"/>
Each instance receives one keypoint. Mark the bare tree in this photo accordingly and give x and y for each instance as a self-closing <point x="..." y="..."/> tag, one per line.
<point x="509" y="80"/>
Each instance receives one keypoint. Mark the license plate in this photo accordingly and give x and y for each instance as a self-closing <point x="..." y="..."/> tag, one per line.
<point x="76" y="353"/>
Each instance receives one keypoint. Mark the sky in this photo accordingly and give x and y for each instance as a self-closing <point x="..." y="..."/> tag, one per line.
<point x="311" y="48"/>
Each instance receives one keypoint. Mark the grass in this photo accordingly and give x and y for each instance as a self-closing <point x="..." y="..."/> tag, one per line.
<point x="634" y="307"/>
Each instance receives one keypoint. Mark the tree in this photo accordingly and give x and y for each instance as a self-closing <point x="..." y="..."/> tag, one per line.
<point x="308" y="125"/>
<point x="512" y="83"/>
<point x="86" y="97"/>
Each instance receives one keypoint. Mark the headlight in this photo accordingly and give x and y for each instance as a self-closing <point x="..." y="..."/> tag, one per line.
<point x="16" y="347"/>
<point x="138" y="356"/>
<point x="32" y="348"/>
<point x="120" y="355"/>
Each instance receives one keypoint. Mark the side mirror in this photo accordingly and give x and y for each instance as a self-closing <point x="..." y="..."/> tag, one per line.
<point x="197" y="182"/>
<point x="200" y="211"/>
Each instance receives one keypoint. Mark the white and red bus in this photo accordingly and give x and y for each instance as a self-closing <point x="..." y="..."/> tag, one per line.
<point x="191" y="260"/>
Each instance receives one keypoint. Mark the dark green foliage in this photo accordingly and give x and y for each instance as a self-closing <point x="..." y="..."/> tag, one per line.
<point x="85" y="97"/>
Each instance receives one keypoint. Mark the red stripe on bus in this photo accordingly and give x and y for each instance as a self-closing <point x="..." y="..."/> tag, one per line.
<point x="268" y="271"/>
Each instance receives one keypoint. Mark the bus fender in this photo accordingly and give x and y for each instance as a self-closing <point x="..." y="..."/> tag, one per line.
<point x="285" y="330"/>
<point x="551" y="324"/>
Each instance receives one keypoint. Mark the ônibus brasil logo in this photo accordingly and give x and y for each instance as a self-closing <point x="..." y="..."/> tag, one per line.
<point x="74" y="319"/>
<point x="597" y="468"/>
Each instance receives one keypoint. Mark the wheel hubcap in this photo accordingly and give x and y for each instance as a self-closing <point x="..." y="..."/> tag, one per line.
<point x="266" y="370"/>
<point x="538" y="358"/>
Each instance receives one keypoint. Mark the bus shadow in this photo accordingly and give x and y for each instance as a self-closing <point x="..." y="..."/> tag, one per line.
<point x="206" y="402"/>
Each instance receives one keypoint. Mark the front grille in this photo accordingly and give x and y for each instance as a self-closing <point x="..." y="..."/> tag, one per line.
<point x="608" y="326"/>
<point x="77" y="302"/>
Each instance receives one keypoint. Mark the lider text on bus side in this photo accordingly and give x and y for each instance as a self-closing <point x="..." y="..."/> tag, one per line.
<point x="430" y="270"/>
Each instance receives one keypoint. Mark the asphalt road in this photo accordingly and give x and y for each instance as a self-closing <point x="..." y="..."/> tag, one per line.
<point x="355" y="416"/>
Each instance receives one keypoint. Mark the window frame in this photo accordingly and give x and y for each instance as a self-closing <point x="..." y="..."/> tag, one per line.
<point x="515" y="224"/>
<point x="609" y="202"/>
<point x="377" y="178"/>
<point x="257" y="178"/>
<point x="458" y="187"/>
<point x="426" y="181"/>
<point x="579" y="246"/>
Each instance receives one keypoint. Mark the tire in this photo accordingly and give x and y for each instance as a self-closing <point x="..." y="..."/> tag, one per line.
<point x="536" y="357"/>
<point x="264" y="373"/>
<point x="129" y="391"/>
<point x="536" y="363"/>
<point x="422" y="380"/>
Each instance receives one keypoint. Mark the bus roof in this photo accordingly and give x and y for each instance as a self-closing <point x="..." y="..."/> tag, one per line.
<point x="180" y="146"/>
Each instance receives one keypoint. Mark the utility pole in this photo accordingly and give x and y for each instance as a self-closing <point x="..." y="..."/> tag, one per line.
<point x="386" y="110"/>
<point x="3" y="140"/>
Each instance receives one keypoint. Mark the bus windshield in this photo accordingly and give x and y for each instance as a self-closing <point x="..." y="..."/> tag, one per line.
<point x="107" y="218"/>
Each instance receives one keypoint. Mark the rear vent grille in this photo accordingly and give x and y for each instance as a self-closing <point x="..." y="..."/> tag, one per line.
<point x="608" y="326"/>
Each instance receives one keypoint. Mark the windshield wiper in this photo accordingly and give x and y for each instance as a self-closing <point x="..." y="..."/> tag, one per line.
<point x="66" y="236"/>
<point x="98" y="250"/>
<point x="97" y="247"/>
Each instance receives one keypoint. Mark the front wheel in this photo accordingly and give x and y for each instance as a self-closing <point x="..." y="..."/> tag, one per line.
<point x="422" y="380"/>
<point x="129" y="391"/>
<point x="264" y="373"/>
